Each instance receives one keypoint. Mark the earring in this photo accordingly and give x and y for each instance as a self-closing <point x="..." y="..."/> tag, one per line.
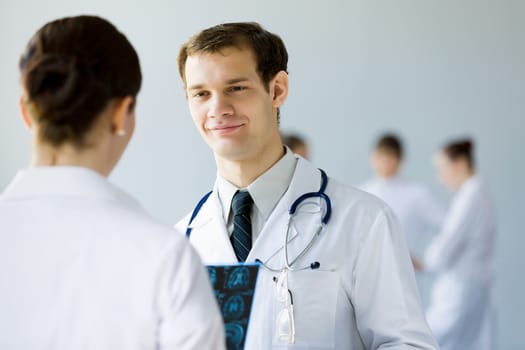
<point x="121" y="132"/>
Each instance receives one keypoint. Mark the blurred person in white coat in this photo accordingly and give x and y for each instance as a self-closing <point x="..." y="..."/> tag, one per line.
<point x="297" y="144"/>
<point x="82" y="265"/>
<point x="461" y="313"/>
<point x="335" y="269"/>
<point x="417" y="210"/>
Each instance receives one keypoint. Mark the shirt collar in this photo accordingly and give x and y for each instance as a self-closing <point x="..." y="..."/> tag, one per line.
<point x="388" y="180"/>
<point x="64" y="181"/>
<point x="266" y="190"/>
<point x="471" y="182"/>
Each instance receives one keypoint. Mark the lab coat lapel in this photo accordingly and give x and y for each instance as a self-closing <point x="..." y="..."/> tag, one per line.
<point x="209" y="235"/>
<point x="270" y="241"/>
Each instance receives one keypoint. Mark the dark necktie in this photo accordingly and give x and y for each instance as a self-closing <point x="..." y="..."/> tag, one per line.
<point x="241" y="237"/>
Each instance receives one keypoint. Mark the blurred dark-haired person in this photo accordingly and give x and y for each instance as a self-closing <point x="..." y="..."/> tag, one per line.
<point x="461" y="313"/>
<point x="332" y="276"/>
<point x="82" y="265"/>
<point x="417" y="210"/>
<point x="297" y="144"/>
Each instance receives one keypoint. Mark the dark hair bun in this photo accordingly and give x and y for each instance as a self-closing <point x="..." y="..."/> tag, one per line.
<point x="71" y="69"/>
<point x="468" y="144"/>
<point x="54" y="82"/>
<point x="463" y="148"/>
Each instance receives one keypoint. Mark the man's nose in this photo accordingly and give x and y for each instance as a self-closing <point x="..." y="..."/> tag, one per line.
<point x="220" y="106"/>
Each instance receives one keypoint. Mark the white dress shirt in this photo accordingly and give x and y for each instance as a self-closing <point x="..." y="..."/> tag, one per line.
<point x="418" y="212"/>
<point x="266" y="191"/>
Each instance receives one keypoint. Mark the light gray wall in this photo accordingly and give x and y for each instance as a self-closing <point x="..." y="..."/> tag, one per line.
<point x="428" y="69"/>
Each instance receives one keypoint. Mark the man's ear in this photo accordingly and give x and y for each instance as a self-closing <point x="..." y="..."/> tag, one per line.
<point x="280" y="89"/>
<point x="122" y="109"/>
<point x="24" y="112"/>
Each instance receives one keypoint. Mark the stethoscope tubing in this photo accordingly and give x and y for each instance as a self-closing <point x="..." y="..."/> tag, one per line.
<point x="291" y="211"/>
<point x="288" y="265"/>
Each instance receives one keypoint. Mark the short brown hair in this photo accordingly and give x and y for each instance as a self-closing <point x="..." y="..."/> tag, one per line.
<point x="391" y="144"/>
<point x="71" y="68"/>
<point x="269" y="50"/>
<point x="293" y="140"/>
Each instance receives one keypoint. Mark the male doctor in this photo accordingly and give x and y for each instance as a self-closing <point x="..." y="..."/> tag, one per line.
<point x="351" y="286"/>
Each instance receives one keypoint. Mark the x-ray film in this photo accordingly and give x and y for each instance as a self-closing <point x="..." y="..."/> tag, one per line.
<point x="234" y="287"/>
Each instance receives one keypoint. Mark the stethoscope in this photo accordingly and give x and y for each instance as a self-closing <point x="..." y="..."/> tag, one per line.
<point x="289" y="264"/>
<point x="281" y="280"/>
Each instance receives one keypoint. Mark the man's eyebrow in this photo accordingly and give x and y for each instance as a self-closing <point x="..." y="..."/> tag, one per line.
<point x="237" y="80"/>
<point x="228" y="82"/>
<point x="195" y="87"/>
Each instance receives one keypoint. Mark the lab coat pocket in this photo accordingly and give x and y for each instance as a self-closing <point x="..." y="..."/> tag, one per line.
<point x="314" y="295"/>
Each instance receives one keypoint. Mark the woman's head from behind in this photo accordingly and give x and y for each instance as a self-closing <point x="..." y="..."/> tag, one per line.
<point x="80" y="77"/>
<point x="455" y="163"/>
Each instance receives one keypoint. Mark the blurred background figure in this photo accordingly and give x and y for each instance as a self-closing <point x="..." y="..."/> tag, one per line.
<point x="82" y="265"/>
<point x="297" y="144"/>
<point x="412" y="203"/>
<point x="461" y="312"/>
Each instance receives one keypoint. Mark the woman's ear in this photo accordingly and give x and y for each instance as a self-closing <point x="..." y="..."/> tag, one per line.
<point x="122" y="109"/>
<point x="24" y="112"/>
<point x="280" y="89"/>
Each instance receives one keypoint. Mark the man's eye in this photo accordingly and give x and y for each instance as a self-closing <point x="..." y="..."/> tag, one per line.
<point x="200" y="94"/>
<point x="237" y="88"/>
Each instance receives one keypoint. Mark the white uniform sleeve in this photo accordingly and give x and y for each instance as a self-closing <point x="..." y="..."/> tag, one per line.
<point x="448" y="245"/>
<point x="189" y="316"/>
<point x="385" y="297"/>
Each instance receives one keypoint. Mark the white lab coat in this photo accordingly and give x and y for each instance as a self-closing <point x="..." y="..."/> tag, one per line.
<point x="363" y="296"/>
<point x="418" y="212"/>
<point x="461" y="313"/>
<point x="82" y="266"/>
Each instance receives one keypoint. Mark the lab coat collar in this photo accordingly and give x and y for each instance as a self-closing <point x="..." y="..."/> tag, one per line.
<point x="65" y="181"/>
<point x="271" y="239"/>
<point x="209" y="234"/>
<point x="471" y="182"/>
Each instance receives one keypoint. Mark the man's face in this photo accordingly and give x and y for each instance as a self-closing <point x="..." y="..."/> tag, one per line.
<point x="385" y="164"/>
<point x="230" y="105"/>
